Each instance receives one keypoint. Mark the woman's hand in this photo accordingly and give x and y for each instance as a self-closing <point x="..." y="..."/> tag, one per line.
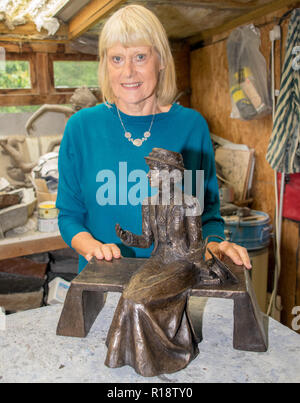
<point x="237" y="253"/>
<point x="89" y="247"/>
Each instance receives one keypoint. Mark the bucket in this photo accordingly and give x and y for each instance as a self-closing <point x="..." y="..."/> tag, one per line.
<point x="252" y="232"/>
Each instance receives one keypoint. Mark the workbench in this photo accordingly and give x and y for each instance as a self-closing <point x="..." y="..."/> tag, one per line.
<point x="30" y="243"/>
<point x="30" y="350"/>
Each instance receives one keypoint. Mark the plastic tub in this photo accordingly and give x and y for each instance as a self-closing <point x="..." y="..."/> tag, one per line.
<point x="252" y="232"/>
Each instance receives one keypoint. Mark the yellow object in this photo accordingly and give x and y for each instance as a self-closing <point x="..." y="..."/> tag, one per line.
<point x="47" y="210"/>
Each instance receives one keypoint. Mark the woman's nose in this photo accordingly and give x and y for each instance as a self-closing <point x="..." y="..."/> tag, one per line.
<point x="128" y="68"/>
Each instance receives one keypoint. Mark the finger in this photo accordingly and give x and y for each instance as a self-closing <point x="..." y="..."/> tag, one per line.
<point x="88" y="257"/>
<point x="115" y="251"/>
<point x="98" y="253"/>
<point x="228" y="250"/>
<point x="106" y="251"/>
<point x="243" y="255"/>
<point x="214" y="247"/>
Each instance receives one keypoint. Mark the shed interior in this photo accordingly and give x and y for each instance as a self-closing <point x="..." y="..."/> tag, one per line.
<point x="68" y="30"/>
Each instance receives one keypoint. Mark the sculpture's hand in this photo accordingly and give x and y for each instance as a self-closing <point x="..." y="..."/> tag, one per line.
<point x="125" y="236"/>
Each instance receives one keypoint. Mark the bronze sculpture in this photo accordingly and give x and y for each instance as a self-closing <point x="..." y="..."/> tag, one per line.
<point x="151" y="329"/>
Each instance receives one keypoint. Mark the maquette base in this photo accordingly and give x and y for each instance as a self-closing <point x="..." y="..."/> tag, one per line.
<point x="86" y="298"/>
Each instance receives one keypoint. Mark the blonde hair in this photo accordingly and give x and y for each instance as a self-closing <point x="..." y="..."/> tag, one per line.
<point x="136" y="25"/>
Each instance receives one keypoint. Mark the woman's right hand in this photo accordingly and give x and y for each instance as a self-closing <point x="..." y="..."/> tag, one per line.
<point x="89" y="247"/>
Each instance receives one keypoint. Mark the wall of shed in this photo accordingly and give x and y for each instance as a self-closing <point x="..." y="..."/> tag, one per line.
<point x="210" y="96"/>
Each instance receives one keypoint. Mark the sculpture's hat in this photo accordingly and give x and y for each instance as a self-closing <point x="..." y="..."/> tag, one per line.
<point x="167" y="157"/>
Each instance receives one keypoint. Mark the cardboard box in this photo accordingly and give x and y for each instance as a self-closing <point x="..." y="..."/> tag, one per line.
<point x="42" y="191"/>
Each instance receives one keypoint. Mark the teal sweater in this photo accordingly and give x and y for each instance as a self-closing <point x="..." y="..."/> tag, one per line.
<point x="102" y="176"/>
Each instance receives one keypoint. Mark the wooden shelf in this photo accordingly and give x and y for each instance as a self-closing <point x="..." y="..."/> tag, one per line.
<point x="30" y="243"/>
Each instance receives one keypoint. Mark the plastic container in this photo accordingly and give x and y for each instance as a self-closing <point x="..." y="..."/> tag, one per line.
<point x="252" y="232"/>
<point x="58" y="289"/>
<point x="47" y="210"/>
<point x="48" y="225"/>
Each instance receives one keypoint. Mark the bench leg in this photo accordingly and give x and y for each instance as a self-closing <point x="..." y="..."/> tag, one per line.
<point x="250" y="325"/>
<point x="80" y="310"/>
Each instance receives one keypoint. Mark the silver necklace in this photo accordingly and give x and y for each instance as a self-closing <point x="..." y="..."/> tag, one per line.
<point x="137" y="142"/>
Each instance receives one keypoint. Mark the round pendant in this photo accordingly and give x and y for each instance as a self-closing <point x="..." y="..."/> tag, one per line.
<point x="128" y="135"/>
<point x="137" y="142"/>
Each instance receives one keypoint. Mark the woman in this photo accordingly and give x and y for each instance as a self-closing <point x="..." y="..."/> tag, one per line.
<point x="103" y="147"/>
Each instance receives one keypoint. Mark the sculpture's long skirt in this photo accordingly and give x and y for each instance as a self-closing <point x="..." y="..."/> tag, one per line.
<point x="151" y="329"/>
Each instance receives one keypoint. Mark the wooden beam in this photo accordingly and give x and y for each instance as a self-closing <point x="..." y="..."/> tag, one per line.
<point x="208" y="4"/>
<point x="90" y="15"/>
<point x="29" y="244"/>
<point x="21" y="98"/>
<point x="29" y="47"/>
<point x="28" y="32"/>
<point x="197" y="40"/>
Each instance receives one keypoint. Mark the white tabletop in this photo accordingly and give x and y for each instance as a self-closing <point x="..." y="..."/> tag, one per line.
<point x="30" y="351"/>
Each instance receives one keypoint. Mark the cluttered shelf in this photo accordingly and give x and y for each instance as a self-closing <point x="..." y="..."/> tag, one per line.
<point x="29" y="243"/>
<point x="28" y="217"/>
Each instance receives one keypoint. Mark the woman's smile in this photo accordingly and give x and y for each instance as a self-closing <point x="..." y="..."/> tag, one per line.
<point x="131" y="85"/>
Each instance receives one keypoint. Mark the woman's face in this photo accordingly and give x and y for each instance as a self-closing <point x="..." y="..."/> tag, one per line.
<point x="133" y="73"/>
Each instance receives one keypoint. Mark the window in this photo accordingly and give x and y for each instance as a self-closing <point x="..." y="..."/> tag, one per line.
<point x="19" y="109"/>
<point x="15" y="75"/>
<point x="73" y="74"/>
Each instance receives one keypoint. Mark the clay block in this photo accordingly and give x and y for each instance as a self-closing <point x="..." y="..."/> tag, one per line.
<point x="61" y="254"/>
<point x="22" y="301"/>
<point x="65" y="266"/>
<point x="24" y="267"/>
<point x="15" y="283"/>
<point x="13" y="216"/>
<point x="7" y="200"/>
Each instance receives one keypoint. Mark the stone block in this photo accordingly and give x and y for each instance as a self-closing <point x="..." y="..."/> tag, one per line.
<point x="24" y="267"/>
<point x="11" y="283"/>
<point x="22" y="301"/>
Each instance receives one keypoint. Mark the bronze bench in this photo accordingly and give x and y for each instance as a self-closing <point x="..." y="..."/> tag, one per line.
<point x="86" y="298"/>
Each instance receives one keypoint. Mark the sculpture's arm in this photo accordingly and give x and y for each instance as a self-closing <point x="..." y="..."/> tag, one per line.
<point x="8" y="146"/>
<point x="138" y="241"/>
<point x="196" y="243"/>
<point x="47" y="108"/>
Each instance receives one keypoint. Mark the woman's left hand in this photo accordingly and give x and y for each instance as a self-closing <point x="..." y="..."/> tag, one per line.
<point x="238" y="254"/>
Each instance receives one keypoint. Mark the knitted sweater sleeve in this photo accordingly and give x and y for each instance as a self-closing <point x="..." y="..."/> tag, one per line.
<point x="212" y="222"/>
<point x="70" y="203"/>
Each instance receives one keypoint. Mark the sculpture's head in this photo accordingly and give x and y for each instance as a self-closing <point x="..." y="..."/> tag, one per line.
<point x="165" y="157"/>
<point x="83" y="98"/>
<point x="165" y="167"/>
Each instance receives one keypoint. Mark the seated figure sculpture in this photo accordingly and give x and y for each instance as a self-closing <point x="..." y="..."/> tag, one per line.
<point x="151" y="329"/>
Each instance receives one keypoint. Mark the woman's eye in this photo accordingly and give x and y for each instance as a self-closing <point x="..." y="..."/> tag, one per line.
<point x="140" y="57"/>
<point x="116" y="59"/>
